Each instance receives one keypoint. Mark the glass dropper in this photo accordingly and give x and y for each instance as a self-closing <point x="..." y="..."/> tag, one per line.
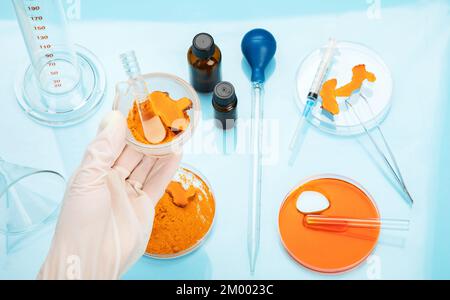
<point x="259" y="47"/>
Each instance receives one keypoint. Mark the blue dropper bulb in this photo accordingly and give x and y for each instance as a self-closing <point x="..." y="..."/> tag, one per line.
<point x="259" y="47"/>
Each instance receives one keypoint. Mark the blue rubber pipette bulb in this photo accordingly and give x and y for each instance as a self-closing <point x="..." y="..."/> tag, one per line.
<point x="259" y="47"/>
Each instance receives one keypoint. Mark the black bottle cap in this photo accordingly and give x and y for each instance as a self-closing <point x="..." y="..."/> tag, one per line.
<point x="224" y="95"/>
<point x="203" y="45"/>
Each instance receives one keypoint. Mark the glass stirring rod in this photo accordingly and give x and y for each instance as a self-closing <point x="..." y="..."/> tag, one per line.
<point x="313" y="95"/>
<point x="258" y="47"/>
<point x="389" y="224"/>
<point x="153" y="127"/>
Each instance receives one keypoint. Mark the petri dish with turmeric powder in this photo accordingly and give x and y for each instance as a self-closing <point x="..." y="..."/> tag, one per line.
<point x="183" y="217"/>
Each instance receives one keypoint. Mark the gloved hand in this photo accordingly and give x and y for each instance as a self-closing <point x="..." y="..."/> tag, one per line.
<point x="108" y="210"/>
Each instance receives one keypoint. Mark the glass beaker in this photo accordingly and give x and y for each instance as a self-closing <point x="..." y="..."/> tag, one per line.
<point x="177" y="88"/>
<point x="29" y="198"/>
<point x="64" y="82"/>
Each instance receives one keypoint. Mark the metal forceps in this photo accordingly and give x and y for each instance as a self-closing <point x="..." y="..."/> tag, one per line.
<point x="388" y="158"/>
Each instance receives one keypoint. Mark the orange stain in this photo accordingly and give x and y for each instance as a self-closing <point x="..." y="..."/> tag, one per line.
<point x="328" y="94"/>
<point x="360" y="74"/>
<point x="329" y="249"/>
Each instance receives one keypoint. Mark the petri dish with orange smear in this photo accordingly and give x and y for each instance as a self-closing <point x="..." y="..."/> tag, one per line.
<point x="378" y="94"/>
<point x="329" y="249"/>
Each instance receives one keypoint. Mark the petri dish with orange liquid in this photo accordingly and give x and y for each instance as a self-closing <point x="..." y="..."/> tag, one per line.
<point x="329" y="249"/>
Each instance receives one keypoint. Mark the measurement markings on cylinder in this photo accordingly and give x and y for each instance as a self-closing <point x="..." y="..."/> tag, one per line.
<point x="35" y="13"/>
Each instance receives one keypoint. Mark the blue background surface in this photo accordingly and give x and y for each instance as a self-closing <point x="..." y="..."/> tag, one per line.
<point x="413" y="38"/>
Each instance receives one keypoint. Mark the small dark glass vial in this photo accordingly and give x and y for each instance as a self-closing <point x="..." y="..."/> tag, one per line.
<point x="225" y="105"/>
<point x="204" y="58"/>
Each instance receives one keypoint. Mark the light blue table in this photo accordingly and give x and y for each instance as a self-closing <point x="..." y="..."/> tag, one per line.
<point x="413" y="38"/>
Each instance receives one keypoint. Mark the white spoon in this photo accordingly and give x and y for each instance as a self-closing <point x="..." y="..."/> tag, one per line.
<point x="310" y="202"/>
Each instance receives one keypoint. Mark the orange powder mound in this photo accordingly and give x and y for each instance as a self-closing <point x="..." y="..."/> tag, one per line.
<point x="173" y="114"/>
<point x="359" y="75"/>
<point x="182" y="217"/>
<point x="180" y="196"/>
<point x="328" y="94"/>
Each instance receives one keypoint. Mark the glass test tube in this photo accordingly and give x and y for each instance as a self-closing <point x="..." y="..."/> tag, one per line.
<point x="390" y="224"/>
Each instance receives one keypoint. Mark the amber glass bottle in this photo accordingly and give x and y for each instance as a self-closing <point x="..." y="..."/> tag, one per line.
<point x="225" y="103"/>
<point x="204" y="58"/>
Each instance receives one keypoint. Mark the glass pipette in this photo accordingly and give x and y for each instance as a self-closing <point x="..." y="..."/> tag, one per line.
<point x="313" y="94"/>
<point x="154" y="130"/>
<point x="344" y="223"/>
<point x="255" y="204"/>
<point x="258" y="47"/>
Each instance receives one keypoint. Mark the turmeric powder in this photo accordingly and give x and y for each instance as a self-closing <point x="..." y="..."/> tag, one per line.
<point x="173" y="115"/>
<point x="183" y="216"/>
<point x="180" y="196"/>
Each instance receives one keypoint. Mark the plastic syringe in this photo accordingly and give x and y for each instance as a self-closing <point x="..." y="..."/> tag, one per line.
<point x="313" y="94"/>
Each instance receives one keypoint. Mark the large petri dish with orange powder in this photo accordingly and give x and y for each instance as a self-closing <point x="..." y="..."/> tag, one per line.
<point x="184" y="216"/>
<point x="329" y="249"/>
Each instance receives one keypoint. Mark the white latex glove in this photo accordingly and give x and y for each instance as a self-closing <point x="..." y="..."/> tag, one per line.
<point x="108" y="210"/>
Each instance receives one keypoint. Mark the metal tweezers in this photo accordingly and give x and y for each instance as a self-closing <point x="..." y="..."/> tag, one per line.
<point x="389" y="158"/>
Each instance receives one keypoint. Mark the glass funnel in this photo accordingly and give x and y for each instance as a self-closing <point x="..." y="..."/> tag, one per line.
<point x="29" y="198"/>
